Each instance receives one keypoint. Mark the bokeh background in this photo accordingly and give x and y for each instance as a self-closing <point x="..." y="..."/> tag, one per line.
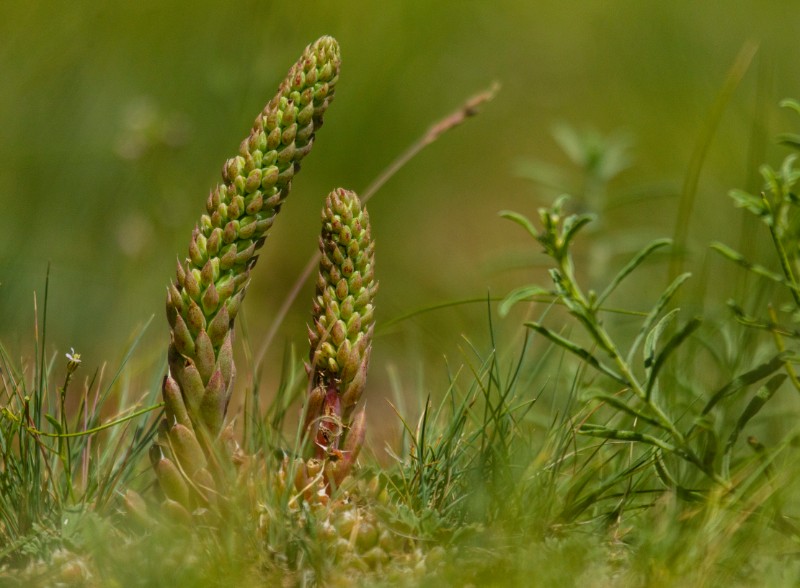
<point x="116" y="116"/>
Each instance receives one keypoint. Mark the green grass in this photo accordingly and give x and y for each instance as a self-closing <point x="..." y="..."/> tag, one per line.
<point x="590" y="435"/>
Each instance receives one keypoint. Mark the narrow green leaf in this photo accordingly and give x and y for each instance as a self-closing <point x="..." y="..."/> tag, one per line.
<point x="700" y="151"/>
<point x="520" y="294"/>
<point x="572" y="225"/>
<point x="669" y="480"/>
<point x="754" y="204"/>
<point x="790" y="140"/>
<point x="672" y="344"/>
<point x="622" y="406"/>
<point x="764" y="394"/>
<point x="54" y="422"/>
<point x="791" y="104"/>
<point x="576" y="507"/>
<point x="521" y="220"/>
<point x="629" y="267"/>
<point x="654" y="313"/>
<point x="625" y="435"/>
<point x="95" y="429"/>
<point x="653" y="336"/>
<point x="575" y="349"/>
<point x="746" y="379"/>
<point x="755" y="268"/>
<point x="662" y="471"/>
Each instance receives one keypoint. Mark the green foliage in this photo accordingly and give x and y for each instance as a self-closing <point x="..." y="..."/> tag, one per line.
<point x="678" y="437"/>
<point x="665" y="456"/>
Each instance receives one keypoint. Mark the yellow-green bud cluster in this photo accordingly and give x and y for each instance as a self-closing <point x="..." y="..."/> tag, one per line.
<point x="343" y="313"/>
<point x="210" y="284"/>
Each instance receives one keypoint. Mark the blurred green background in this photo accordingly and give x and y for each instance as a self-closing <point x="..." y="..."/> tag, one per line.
<point x="116" y="117"/>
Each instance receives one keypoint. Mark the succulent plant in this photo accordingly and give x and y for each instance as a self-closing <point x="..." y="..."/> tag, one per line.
<point x="362" y="541"/>
<point x="204" y="299"/>
<point x="340" y="334"/>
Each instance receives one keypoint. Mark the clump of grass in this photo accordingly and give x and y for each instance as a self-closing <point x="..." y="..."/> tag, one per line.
<point x="63" y="459"/>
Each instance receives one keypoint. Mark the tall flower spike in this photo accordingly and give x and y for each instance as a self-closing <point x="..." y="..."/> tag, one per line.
<point x="341" y="331"/>
<point x="210" y="285"/>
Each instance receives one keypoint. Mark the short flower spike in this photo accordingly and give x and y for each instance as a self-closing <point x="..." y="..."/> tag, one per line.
<point x="341" y="331"/>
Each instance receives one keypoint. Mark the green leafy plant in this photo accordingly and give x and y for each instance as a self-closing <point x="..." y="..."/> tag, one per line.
<point x="778" y="208"/>
<point x="643" y="407"/>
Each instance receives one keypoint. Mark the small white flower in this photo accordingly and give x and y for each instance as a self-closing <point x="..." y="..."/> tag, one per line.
<point x="74" y="360"/>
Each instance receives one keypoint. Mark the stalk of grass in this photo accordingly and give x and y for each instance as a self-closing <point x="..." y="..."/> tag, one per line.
<point x="689" y="191"/>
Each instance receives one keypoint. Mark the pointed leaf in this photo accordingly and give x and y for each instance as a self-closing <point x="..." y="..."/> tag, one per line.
<point x="575" y="349"/>
<point x="54" y="422"/>
<point x="204" y="356"/>
<point x="672" y="344"/>
<point x="212" y="408"/>
<point x="629" y="267"/>
<point x="651" y="341"/>
<point x="520" y="294"/>
<point x="654" y="313"/>
<point x="746" y="379"/>
<point x="764" y="394"/>
<point x="572" y="225"/>
<point x="176" y="408"/>
<point x="521" y="220"/>
<point x="755" y="268"/>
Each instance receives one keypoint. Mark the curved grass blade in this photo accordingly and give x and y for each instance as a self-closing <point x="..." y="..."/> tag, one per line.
<point x="520" y="294"/>
<point x="740" y="66"/>
<point x="669" y="480"/>
<point x="653" y="336"/>
<point x="521" y="220"/>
